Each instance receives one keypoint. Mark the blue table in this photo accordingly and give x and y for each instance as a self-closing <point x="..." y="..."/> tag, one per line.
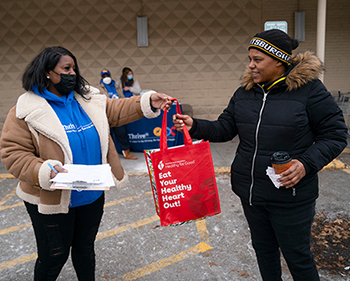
<point x="145" y="133"/>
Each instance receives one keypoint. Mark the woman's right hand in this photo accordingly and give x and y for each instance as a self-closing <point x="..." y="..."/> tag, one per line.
<point x="182" y="120"/>
<point x="58" y="169"/>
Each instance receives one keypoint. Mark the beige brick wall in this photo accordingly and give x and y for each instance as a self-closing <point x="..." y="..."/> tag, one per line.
<point x="197" y="48"/>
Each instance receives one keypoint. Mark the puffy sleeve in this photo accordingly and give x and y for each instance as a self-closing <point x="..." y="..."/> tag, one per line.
<point x="328" y="126"/>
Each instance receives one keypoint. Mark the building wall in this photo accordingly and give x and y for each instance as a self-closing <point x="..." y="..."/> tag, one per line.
<point x="337" y="34"/>
<point x="197" y="48"/>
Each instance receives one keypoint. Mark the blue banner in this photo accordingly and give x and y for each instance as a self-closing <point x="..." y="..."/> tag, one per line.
<point x="145" y="133"/>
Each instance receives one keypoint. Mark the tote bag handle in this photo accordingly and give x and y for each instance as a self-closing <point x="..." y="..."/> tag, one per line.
<point x="163" y="136"/>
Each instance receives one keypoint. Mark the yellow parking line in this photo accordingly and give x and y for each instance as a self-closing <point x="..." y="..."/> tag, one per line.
<point x="130" y="226"/>
<point x="19" y="227"/>
<point x="6" y="176"/>
<point x="108" y="204"/>
<point x="201" y="247"/>
<point x="221" y="170"/>
<point x="7" y="197"/>
<point x="18" y="261"/>
<point x="11" y="206"/>
<point x="153" y="267"/>
<point x="14" y="228"/>
<point x="203" y="231"/>
<point x="347" y="170"/>
<point x="101" y="235"/>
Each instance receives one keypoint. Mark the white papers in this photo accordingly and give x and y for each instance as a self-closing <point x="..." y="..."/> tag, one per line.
<point x="273" y="176"/>
<point x="84" y="177"/>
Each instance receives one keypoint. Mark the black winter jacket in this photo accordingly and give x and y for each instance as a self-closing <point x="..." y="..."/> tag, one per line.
<point x="297" y="115"/>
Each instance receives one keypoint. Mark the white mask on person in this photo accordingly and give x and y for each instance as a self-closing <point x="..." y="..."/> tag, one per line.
<point x="107" y="80"/>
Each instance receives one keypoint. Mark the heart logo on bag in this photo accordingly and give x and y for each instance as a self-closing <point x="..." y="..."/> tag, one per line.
<point x="209" y="205"/>
<point x="161" y="165"/>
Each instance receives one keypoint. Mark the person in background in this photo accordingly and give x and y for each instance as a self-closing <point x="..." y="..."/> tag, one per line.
<point x="60" y="120"/>
<point x="119" y="134"/>
<point x="128" y="83"/>
<point x="280" y="106"/>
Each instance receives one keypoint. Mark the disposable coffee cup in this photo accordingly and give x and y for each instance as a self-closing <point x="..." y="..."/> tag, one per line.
<point x="281" y="161"/>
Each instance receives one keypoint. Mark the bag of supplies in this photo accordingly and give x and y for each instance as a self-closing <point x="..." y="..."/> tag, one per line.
<point x="183" y="179"/>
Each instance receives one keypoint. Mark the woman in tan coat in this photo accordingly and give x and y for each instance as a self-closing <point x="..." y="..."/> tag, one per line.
<point x="62" y="120"/>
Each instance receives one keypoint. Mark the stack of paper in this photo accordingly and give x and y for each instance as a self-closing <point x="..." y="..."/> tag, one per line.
<point x="84" y="177"/>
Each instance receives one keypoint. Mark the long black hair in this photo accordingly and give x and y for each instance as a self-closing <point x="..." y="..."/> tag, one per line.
<point x="35" y="73"/>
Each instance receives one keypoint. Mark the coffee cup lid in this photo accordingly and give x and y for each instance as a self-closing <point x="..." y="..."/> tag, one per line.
<point x="280" y="157"/>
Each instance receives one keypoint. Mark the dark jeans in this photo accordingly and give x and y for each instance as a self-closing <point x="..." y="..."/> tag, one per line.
<point x="56" y="234"/>
<point x="120" y="136"/>
<point x="289" y="229"/>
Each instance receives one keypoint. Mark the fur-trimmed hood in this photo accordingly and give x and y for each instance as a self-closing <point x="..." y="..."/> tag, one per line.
<point x="306" y="67"/>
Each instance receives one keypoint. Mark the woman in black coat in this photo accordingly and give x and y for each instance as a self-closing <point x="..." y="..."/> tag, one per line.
<point x="281" y="106"/>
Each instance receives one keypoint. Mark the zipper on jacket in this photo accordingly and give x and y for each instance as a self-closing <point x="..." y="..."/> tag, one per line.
<point x="256" y="146"/>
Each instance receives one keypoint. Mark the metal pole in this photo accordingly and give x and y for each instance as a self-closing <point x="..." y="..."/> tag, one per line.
<point x="321" y="30"/>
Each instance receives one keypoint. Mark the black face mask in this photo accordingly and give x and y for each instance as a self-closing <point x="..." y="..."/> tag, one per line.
<point x="66" y="84"/>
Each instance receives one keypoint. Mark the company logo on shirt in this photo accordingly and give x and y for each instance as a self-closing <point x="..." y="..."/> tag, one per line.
<point x="69" y="127"/>
<point x="72" y="129"/>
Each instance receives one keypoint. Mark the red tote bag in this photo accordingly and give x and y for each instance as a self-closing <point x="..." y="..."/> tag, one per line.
<point x="183" y="179"/>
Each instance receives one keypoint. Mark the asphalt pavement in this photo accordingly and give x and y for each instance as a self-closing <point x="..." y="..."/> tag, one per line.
<point x="131" y="244"/>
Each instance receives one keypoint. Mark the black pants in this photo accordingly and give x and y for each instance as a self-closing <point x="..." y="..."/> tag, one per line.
<point x="289" y="229"/>
<point x="56" y="234"/>
<point x="120" y="136"/>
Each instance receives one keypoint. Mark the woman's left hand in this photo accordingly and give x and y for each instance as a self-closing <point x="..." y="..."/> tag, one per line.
<point x="293" y="175"/>
<point x="160" y="101"/>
